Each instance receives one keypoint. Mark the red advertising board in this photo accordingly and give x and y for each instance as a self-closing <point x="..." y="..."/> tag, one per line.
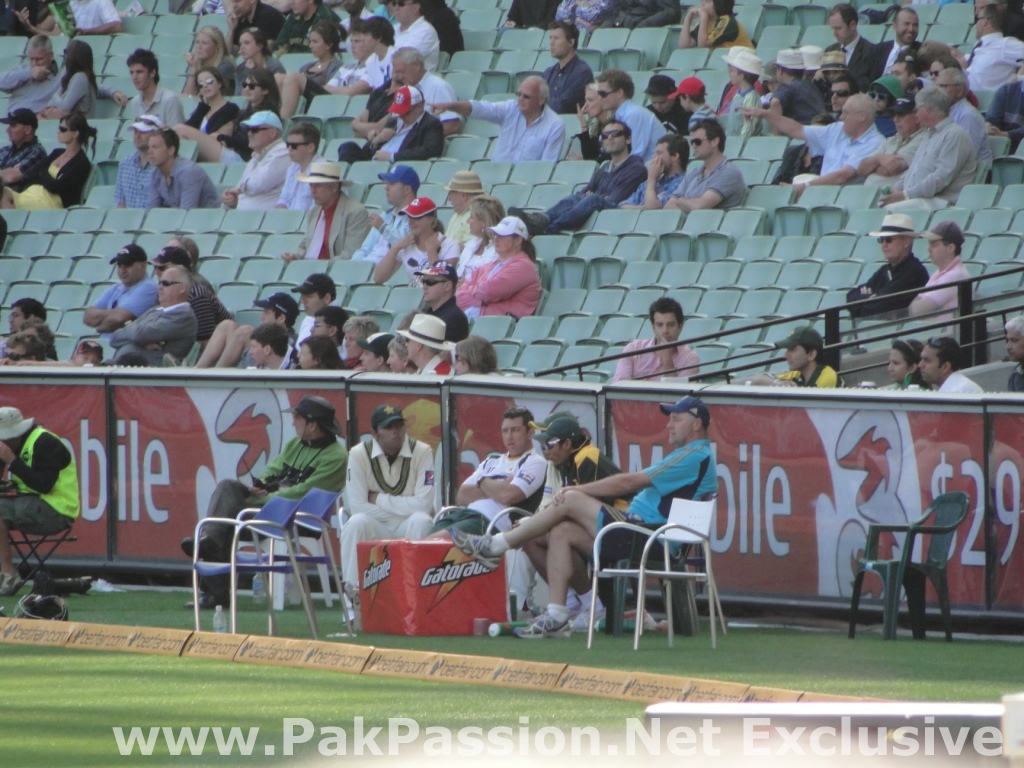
<point x="478" y="422"/>
<point x="176" y="443"/>
<point x="76" y="413"/>
<point x="1006" y="468"/>
<point x="798" y="488"/>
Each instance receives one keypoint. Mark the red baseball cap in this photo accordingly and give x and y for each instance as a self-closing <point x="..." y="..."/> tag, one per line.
<point x="406" y="97"/>
<point x="421" y="206"/>
<point x="691" y="86"/>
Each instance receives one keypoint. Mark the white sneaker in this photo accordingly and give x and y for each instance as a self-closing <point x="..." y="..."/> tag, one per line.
<point x="581" y="623"/>
<point x="545" y="626"/>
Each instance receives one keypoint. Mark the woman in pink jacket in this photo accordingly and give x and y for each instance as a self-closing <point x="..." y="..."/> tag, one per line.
<point x="508" y="286"/>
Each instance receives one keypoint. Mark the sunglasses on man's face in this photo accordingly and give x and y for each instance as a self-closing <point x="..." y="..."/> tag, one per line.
<point x="250" y="84"/>
<point x="431" y="283"/>
<point x="296" y="144"/>
<point x="841" y="94"/>
<point x="257" y="128"/>
<point x="696" y="142"/>
<point x="612" y="134"/>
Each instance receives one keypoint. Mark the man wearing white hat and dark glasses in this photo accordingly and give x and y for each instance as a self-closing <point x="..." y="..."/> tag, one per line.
<point x="44" y="479"/>
<point x="902" y="270"/>
<point x="337" y="224"/>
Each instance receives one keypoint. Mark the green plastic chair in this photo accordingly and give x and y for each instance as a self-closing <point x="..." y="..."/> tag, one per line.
<point x="940" y="521"/>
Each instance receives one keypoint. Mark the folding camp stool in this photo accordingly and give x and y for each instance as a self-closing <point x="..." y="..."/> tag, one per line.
<point x="33" y="551"/>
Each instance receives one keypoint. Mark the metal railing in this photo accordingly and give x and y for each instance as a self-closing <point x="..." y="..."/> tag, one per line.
<point x="971" y="332"/>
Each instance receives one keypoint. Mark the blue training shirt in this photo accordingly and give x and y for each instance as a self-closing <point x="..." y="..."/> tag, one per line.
<point x="686" y="473"/>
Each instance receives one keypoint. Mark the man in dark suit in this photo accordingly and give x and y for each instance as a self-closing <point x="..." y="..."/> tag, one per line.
<point x="905" y="28"/>
<point x="417" y="134"/>
<point x="861" y="55"/>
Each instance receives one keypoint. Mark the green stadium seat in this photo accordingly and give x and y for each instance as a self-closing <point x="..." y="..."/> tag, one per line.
<point x="522" y="39"/>
<point x="240" y="246"/>
<point x="478" y="39"/>
<point x="219" y="269"/>
<point x="978" y="196"/>
<point x="656" y="43"/>
<point x="860" y="222"/>
<point x="843" y="274"/>
<point x="757" y="303"/>
<point x="680" y="274"/>
<point x="763" y="272"/>
<point x="537" y="357"/>
<point x="637" y="274"/>
<point x="616" y="221"/>
<point x="532" y="328"/>
<point x="492" y="327"/>
<point x="622" y="330"/>
<point x="469" y="148"/>
<point x="816" y="34"/>
<point x="950" y="34"/>
<point x="721" y="273"/>
<point x="346" y="272"/>
<point x="259" y="271"/>
<point x="713" y="356"/>
<point x="512" y="195"/>
<point x="687" y="59"/>
<point x="367" y="296"/>
<point x="480" y="18"/>
<point x="562" y="301"/>
<point x="997" y="248"/>
<point x="799" y="274"/>
<point x="67" y="294"/>
<point x="637" y="302"/>
<point x="658" y="223"/>
<point x="800" y="300"/>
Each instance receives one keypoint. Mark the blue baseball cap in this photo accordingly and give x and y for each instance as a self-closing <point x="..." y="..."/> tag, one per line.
<point x="402" y="174"/>
<point x="691" y="405"/>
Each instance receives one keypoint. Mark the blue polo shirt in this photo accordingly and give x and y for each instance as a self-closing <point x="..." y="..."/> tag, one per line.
<point x="686" y="473"/>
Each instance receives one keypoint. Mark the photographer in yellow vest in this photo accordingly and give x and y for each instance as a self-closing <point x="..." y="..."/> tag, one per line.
<point x="40" y="489"/>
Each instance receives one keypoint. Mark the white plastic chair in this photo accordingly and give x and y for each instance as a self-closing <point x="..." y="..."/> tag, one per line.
<point x="689" y="523"/>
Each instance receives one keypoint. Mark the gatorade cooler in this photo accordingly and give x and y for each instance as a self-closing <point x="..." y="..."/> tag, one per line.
<point x="426" y="588"/>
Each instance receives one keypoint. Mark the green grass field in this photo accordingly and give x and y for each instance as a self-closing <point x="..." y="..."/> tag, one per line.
<point x="65" y="703"/>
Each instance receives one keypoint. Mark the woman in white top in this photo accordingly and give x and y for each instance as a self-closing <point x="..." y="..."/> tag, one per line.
<point x="484" y="212"/>
<point x="424" y="246"/>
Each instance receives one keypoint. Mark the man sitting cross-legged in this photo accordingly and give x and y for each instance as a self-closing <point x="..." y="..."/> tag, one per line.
<point x="686" y="473"/>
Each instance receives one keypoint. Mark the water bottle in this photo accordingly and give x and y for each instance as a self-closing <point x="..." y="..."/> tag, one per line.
<point x="220" y="621"/>
<point x="259" y="590"/>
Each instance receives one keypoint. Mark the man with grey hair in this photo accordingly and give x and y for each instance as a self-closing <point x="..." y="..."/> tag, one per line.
<point x="843" y="145"/>
<point x="944" y="164"/>
<point x="32" y="85"/>
<point x="530" y="129"/>
<point x="408" y="67"/>
<point x="962" y="112"/>
<point x="1015" y="352"/>
<point x="166" y="329"/>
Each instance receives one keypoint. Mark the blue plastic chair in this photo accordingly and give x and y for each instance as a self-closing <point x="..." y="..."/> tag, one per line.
<point x="273" y="522"/>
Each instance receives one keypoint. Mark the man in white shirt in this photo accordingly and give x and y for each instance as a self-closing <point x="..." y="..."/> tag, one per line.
<point x="413" y="31"/>
<point x="530" y="129"/>
<point x="96" y="17"/>
<point x="263" y="177"/>
<point x="995" y="58"/>
<point x="940" y="367"/>
<point x="303" y="143"/>
<point x="842" y="146"/>
<point x="389" y="492"/>
<point x="512" y="479"/>
<point x="152" y="99"/>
